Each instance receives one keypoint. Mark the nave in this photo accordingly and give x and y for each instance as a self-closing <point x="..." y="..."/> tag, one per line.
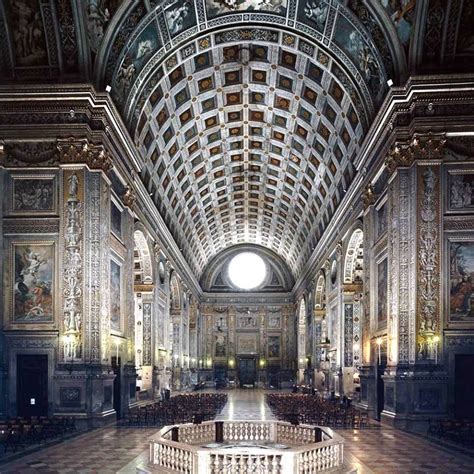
<point x="113" y="449"/>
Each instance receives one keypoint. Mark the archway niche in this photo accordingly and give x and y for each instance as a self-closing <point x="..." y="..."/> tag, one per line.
<point x="301" y="344"/>
<point x="320" y="334"/>
<point x="352" y="312"/>
<point x="176" y="331"/>
<point x="143" y="299"/>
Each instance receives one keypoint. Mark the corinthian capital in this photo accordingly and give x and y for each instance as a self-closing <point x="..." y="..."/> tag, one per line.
<point x="81" y="151"/>
<point x="420" y="147"/>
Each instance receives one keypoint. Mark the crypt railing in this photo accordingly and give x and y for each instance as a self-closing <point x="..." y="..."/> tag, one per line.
<point x="232" y="447"/>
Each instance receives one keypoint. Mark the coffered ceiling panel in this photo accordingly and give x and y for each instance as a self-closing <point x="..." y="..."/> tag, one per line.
<point x="249" y="143"/>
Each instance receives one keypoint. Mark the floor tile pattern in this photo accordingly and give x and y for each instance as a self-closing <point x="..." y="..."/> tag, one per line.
<point x="378" y="449"/>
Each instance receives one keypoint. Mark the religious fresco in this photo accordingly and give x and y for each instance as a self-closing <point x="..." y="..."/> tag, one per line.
<point x="382" y="282"/>
<point x="401" y="13"/>
<point x="98" y="16"/>
<point x="180" y="16"/>
<point x="460" y="197"/>
<point x="219" y="7"/>
<point x="220" y="345"/>
<point x="137" y="56"/>
<point x="27" y="32"/>
<point x="115" y="295"/>
<point x="273" y="347"/>
<point x="115" y="220"/>
<point x="347" y="37"/>
<point x="465" y="43"/>
<point x="33" y="195"/>
<point x="314" y="13"/>
<point x="461" y="274"/>
<point x="33" y="267"/>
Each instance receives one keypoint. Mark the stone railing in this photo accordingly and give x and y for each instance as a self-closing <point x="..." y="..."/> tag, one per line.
<point x="232" y="447"/>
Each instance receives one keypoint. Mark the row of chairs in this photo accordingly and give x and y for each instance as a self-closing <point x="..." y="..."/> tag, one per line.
<point x="314" y="410"/>
<point x="18" y="433"/>
<point x="185" y="408"/>
<point x="458" y="431"/>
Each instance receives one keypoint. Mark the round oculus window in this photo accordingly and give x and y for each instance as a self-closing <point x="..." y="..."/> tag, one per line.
<point x="247" y="270"/>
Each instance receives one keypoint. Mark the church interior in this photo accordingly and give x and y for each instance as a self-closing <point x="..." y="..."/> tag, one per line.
<point x="220" y="210"/>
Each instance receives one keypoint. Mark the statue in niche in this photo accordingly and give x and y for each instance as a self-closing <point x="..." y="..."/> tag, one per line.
<point x="73" y="182"/>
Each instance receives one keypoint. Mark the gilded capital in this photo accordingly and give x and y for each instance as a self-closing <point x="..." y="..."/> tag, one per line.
<point x="420" y="147"/>
<point x="80" y="151"/>
<point x="129" y="197"/>
<point x="368" y="196"/>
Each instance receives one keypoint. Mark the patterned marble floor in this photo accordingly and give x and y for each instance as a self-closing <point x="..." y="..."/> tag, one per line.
<point x="378" y="449"/>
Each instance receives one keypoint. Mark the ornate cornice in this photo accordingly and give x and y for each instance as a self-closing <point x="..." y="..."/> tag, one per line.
<point x="420" y="147"/>
<point x="141" y="288"/>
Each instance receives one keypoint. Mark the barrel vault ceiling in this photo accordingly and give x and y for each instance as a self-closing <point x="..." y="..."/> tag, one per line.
<point x="247" y="114"/>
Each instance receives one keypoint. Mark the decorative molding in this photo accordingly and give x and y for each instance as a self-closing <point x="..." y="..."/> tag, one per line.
<point x="428" y="260"/>
<point x="72" y="268"/>
<point x="458" y="223"/>
<point x="29" y="153"/>
<point x="30" y="226"/>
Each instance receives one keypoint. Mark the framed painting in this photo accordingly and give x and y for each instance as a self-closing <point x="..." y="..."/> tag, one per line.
<point x="382" y="287"/>
<point x="460" y="192"/>
<point x="461" y="276"/>
<point x="115" y="295"/>
<point x="220" y="345"/>
<point x="273" y="347"/>
<point x="34" y="194"/>
<point x="33" y="287"/>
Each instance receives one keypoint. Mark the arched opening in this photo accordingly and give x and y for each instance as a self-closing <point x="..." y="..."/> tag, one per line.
<point x="352" y="313"/>
<point x="176" y="332"/>
<point x="320" y="335"/>
<point x="143" y="298"/>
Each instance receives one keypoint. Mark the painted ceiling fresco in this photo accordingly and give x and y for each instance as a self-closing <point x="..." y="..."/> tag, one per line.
<point x="248" y="113"/>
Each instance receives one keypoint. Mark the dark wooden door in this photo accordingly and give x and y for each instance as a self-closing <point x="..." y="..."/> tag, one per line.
<point x="117" y="387"/>
<point x="463" y="393"/>
<point x="32" y="385"/>
<point x="247" y="371"/>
